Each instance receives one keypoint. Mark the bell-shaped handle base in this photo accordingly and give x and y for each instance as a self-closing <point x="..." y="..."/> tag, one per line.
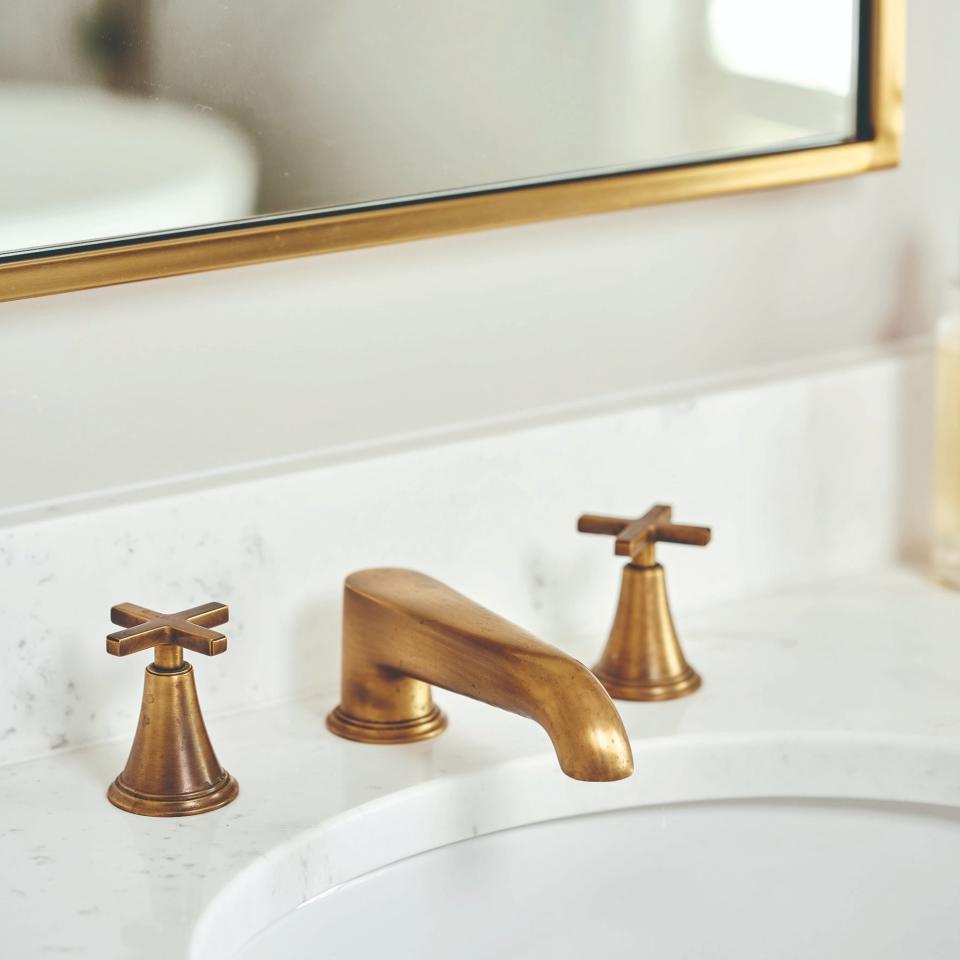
<point x="643" y="659"/>
<point x="172" y="770"/>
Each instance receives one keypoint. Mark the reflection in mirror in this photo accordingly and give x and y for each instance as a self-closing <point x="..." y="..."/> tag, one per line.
<point x="134" y="117"/>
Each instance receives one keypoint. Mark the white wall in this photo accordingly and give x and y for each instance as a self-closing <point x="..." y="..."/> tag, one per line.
<point x="145" y="383"/>
<point x="40" y="41"/>
<point x="346" y="102"/>
<point x="379" y="100"/>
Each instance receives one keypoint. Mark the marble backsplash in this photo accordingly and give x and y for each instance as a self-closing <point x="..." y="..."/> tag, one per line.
<point x="814" y="475"/>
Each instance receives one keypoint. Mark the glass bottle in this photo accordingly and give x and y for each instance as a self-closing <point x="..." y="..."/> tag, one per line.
<point x="946" y="518"/>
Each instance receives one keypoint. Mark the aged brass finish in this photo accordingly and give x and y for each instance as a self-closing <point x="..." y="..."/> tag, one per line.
<point x="403" y="631"/>
<point x="172" y="770"/>
<point x="643" y="659"/>
<point x="326" y="233"/>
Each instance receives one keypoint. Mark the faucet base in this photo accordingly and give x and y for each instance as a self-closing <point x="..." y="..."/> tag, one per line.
<point x="679" y="686"/>
<point x="172" y="770"/>
<point x="643" y="659"/>
<point x="214" y="797"/>
<point x="398" y="731"/>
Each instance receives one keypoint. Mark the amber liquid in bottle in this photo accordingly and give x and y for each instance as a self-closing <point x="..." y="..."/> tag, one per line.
<point x="946" y="528"/>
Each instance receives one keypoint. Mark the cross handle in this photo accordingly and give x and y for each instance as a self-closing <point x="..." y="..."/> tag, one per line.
<point x="168" y="633"/>
<point x="636" y="538"/>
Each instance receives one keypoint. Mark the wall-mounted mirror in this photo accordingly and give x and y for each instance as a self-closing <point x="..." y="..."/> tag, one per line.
<point x="150" y="137"/>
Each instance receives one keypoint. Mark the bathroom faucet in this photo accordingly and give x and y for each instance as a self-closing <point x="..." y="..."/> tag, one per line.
<point x="403" y="631"/>
<point x="643" y="659"/>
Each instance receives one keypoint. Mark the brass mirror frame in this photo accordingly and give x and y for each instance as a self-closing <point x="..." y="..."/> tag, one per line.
<point x="123" y="262"/>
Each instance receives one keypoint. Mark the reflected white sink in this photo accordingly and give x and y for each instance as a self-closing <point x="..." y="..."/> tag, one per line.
<point x="745" y="879"/>
<point x="80" y="163"/>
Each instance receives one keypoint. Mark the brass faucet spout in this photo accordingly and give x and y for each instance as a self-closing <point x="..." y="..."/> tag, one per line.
<point x="403" y="631"/>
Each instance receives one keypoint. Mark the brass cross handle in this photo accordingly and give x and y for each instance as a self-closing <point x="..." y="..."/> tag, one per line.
<point x="168" y="633"/>
<point x="636" y="539"/>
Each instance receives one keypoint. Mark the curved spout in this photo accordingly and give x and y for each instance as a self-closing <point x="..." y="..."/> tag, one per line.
<point x="403" y="631"/>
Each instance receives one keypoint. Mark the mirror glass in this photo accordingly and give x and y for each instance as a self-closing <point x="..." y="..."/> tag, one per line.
<point x="123" y="118"/>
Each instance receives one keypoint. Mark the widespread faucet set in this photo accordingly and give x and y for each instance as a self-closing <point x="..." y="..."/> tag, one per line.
<point x="402" y="633"/>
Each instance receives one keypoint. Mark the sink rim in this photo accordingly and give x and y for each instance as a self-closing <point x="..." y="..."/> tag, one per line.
<point x="676" y="770"/>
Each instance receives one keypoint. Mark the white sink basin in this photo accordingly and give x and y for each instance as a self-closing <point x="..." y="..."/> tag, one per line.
<point x="134" y="166"/>
<point x="826" y="845"/>
<point x="744" y="879"/>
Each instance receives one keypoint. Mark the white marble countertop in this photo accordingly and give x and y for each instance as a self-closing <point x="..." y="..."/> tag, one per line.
<point x="843" y="689"/>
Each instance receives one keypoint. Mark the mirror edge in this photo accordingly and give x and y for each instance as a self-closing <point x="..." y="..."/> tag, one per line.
<point x="511" y="207"/>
